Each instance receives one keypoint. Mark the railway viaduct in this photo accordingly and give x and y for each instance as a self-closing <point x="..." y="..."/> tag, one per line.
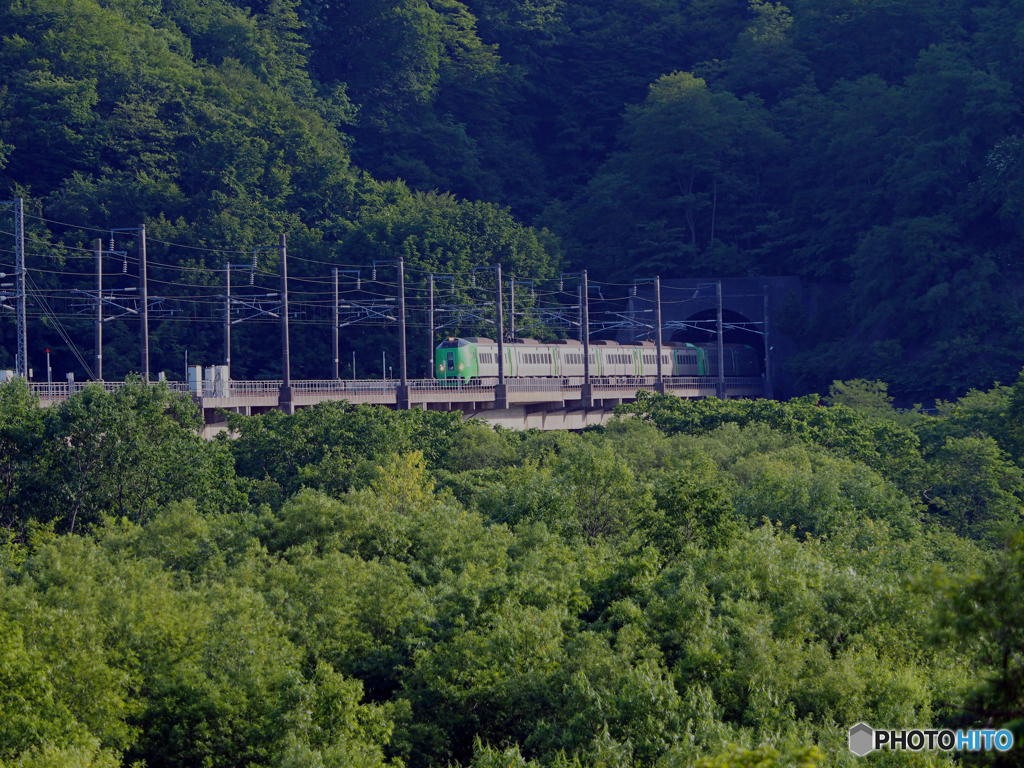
<point x="526" y="404"/>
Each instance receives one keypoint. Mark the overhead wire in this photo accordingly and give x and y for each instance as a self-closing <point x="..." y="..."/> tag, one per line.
<point x="306" y="295"/>
<point x="30" y="285"/>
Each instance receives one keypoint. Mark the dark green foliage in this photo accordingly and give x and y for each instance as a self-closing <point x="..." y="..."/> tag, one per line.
<point x="694" y="584"/>
<point x="713" y="584"/>
<point x="873" y="144"/>
<point x="123" y="453"/>
<point x="693" y="506"/>
<point x="889" y="449"/>
<point x="332" y="446"/>
<point x="982" y="614"/>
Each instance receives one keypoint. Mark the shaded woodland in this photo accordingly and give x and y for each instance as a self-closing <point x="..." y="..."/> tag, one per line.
<point x="875" y="144"/>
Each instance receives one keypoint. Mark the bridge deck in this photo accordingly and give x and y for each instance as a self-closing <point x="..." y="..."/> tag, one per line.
<point x="423" y="392"/>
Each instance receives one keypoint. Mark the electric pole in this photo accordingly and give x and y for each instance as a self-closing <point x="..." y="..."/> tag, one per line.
<point x="402" y="393"/>
<point x="430" y="328"/>
<point x="285" y="398"/>
<point x="721" y="345"/>
<point x="20" y="291"/>
<point x="401" y="328"/>
<point x="512" y="307"/>
<point x="500" y="392"/>
<point x="660" y="385"/>
<point x="97" y="246"/>
<point x="768" y="390"/>
<point x="20" y="288"/>
<point x="586" y="394"/>
<point x="334" y="327"/>
<point x="143" y="290"/>
<point x="227" y="317"/>
<point x="579" y="310"/>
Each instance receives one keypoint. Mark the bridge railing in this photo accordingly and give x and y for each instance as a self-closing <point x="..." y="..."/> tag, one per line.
<point x="453" y="385"/>
<point x="376" y="389"/>
<point x="62" y="390"/>
<point x="321" y="386"/>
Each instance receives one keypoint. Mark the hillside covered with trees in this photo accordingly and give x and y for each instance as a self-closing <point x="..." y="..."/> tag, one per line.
<point x="875" y="144"/>
<point x="715" y="584"/>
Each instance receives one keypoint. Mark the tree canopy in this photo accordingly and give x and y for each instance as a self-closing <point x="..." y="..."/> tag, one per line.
<point x="696" y="583"/>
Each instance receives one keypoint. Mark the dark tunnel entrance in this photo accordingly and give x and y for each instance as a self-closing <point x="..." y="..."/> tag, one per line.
<point x="736" y="329"/>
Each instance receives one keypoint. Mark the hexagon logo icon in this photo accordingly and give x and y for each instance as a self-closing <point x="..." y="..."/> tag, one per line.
<point x="862" y="739"/>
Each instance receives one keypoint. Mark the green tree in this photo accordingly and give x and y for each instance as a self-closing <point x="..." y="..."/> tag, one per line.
<point x="693" y="507"/>
<point x="977" y="490"/>
<point x="601" y="489"/>
<point x="127" y="452"/>
<point x="22" y="454"/>
<point x="982" y="613"/>
<point x="690" y="174"/>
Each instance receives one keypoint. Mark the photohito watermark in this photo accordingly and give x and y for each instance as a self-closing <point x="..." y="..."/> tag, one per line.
<point x="864" y="739"/>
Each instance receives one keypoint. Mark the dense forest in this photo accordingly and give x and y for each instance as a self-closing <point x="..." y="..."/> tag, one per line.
<point x="720" y="584"/>
<point x="707" y="584"/>
<point x="874" y="144"/>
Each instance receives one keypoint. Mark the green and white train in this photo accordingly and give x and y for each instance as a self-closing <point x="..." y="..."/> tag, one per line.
<point x="474" y="358"/>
